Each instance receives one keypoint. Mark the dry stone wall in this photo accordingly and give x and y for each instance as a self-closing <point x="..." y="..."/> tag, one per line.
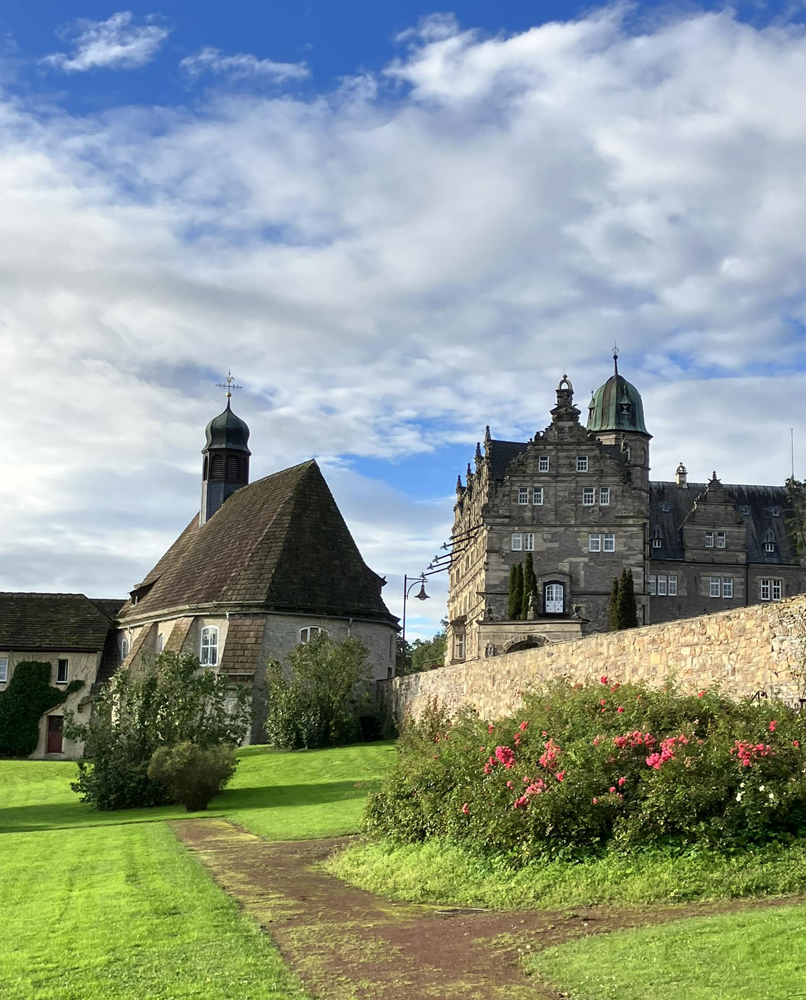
<point x="744" y="651"/>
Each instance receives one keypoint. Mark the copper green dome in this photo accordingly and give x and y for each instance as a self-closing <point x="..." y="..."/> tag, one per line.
<point x="617" y="406"/>
<point x="227" y="431"/>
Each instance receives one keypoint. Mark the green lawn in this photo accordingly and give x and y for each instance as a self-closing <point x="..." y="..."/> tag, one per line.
<point x="107" y="906"/>
<point x="757" y="955"/>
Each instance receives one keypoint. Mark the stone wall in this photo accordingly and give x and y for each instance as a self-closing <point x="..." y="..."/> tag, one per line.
<point x="744" y="651"/>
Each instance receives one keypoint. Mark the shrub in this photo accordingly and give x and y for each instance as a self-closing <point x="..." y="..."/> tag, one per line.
<point x="580" y="768"/>
<point x="192" y="774"/>
<point x="26" y="698"/>
<point x="172" y="701"/>
<point x="317" y="699"/>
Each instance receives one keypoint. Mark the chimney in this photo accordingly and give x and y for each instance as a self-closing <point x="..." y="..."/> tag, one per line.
<point x="680" y="476"/>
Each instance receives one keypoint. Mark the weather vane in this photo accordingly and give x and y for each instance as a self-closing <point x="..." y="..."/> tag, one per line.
<point x="615" y="355"/>
<point x="229" y="384"/>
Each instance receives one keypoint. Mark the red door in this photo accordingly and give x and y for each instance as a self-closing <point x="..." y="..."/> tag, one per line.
<point x="55" y="725"/>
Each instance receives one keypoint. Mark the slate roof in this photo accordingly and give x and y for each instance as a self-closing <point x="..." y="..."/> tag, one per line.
<point x="671" y="504"/>
<point x="280" y="543"/>
<point x="57" y="622"/>
<point x="501" y="454"/>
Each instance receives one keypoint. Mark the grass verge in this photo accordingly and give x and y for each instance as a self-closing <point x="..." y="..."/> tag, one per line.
<point x="445" y="874"/>
<point x="735" y="956"/>
<point x="124" y="912"/>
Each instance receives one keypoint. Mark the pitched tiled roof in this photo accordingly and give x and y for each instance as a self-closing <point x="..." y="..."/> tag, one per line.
<point x="52" y="622"/>
<point x="280" y="543"/>
<point x="762" y="508"/>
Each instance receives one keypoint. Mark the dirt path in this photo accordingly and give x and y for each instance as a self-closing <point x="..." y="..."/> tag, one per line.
<point x="347" y="944"/>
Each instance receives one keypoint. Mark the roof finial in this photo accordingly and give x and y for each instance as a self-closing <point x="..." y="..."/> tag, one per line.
<point x="229" y="384"/>
<point x="615" y="356"/>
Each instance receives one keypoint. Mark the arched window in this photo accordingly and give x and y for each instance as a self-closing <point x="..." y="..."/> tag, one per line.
<point x="554" y="598"/>
<point x="208" y="652"/>
<point x="769" y="540"/>
<point x="311" y="632"/>
<point x="233" y="467"/>
<point x="124" y="647"/>
<point x="217" y="467"/>
<point x="657" y="537"/>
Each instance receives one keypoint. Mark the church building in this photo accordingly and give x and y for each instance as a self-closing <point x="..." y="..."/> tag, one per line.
<point x="579" y="499"/>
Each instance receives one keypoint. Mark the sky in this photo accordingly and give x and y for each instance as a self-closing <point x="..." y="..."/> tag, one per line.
<point x="395" y="224"/>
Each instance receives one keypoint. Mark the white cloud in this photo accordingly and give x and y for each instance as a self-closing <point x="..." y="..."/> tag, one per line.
<point x="387" y="275"/>
<point x="241" y="66"/>
<point x="116" y="43"/>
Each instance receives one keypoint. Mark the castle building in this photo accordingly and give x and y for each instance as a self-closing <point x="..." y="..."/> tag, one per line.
<point x="579" y="500"/>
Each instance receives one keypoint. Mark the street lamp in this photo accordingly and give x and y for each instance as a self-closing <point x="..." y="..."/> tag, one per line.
<point x="422" y="596"/>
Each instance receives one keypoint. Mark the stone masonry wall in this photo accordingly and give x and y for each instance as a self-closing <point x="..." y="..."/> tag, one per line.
<point x="759" y="648"/>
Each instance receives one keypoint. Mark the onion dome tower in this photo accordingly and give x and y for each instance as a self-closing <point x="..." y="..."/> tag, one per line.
<point x="616" y="417"/>
<point x="225" y="464"/>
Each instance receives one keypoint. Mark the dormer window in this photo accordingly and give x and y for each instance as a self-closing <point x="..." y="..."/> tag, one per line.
<point x="769" y="541"/>
<point x="208" y="652"/>
<point x="775" y="511"/>
<point x="657" y="538"/>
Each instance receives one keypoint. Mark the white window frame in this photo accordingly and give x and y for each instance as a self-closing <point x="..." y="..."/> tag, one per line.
<point x="721" y="540"/>
<point x="528" y="541"/>
<point x="663" y="584"/>
<point x="311" y="632"/>
<point x="727" y="586"/>
<point x="537" y="496"/>
<point x="543" y="463"/>
<point x="59" y="678"/>
<point x="582" y="463"/>
<point x="714" y="586"/>
<point x="604" y="496"/>
<point x="208" y="649"/>
<point x="160" y="642"/>
<point x="594" y="543"/>
<point x="769" y="546"/>
<point x="764" y="590"/>
<point x="459" y="645"/>
<point x="516" y="541"/>
<point x="657" y="543"/>
<point x="523" y="495"/>
<point x="3" y="669"/>
<point x="609" y="542"/>
<point x="672" y="586"/>
<point x="777" y="590"/>
<point x="709" y="539"/>
<point x="588" y="496"/>
<point x="652" y="582"/>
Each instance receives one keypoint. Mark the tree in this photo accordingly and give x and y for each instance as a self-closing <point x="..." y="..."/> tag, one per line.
<point x="317" y="698"/>
<point x="529" y="585"/>
<point x="515" y="591"/>
<point x="613" y="621"/>
<point x="796" y="512"/>
<point x="173" y="700"/>
<point x="426" y="652"/>
<point x="626" y="609"/>
<point x="192" y="774"/>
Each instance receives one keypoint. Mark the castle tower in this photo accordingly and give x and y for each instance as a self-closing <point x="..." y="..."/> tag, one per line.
<point x="616" y="417"/>
<point x="225" y="465"/>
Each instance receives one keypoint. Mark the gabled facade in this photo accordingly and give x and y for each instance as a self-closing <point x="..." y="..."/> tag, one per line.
<point x="580" y="500"/>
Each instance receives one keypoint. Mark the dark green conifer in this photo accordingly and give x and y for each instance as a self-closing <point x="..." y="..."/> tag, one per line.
<point x="529" y="584"/>
<point x="627" y="611"/>
<point x="614" y="591"/>
<point x="515" y="591"/>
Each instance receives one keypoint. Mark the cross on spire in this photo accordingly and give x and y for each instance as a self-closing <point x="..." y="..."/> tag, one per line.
<point x="229" y="384"/>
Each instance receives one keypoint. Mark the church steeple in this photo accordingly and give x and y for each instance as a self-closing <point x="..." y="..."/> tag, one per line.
<point x="225" y="463"/>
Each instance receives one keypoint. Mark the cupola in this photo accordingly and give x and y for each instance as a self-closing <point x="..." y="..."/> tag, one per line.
<point x="225" y="461"/>
<point x="617" y="406"/>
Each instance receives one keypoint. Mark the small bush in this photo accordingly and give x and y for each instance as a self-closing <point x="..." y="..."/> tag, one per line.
<point x="191" y="774"/>
<point x="582" y="768"/>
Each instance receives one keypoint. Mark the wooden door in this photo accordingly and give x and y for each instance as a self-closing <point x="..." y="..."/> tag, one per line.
<point x="55" y="726"/>
<point x="555" y="599"/>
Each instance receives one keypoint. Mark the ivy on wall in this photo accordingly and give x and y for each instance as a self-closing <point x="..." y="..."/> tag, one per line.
<point x="26" y="698"/>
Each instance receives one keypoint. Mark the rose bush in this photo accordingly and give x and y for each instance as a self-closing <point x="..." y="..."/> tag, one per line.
<point x="584" y="767"/>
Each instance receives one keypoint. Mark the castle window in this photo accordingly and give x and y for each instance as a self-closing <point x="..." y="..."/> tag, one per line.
<point x="672" y="586"/>
<point x="594" y="543"/>
<point x="208" y="652"/>
<point x="745" y="509"/>
<point x="517" y="542"/>
<point x="662" y="586"/>
<point x="537" y="496"/>
<point x="609" y="543"/>
<point x="657" y="538"/>
<point x="543" y="463"/>
<point x="3" y="669"/>
<point x="582" y="463"/>
<point x="709" y="539"/>
<point x="529" y="542"/>
<point x="604" y="496"/>
<point x="769" y="541"/>
<point x="770" y="590"/>
<point x="554" y="599"/>
<point x="124" y="647"/>
<point x="459" y="646"/>
<point x="588" y="496"/>
<point x="523" y="495"/>
<point x="61" y="672"/>
<point x="721" y="540"/>
<point x="775" y="511"/>
<point x="311" y="632"/>
<point x="653" y="585"/>
<point x="727" y="586"/>
<point x="714" y="586"/>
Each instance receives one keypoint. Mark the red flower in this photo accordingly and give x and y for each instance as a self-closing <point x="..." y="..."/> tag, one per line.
<point x="465" y="810"/>
<point x="773" y="725"/>
<point x="603" y="701"/>
<point x="595" y="801"/>
<point x="700" y="694"/>
<point x="612" y="788"/>
<point x="603" y="680"/>
<point x="795" y="743"/>
<point x="523" y="726"/>
<point x="560" y="775"/>
<point x="620" y="709"/>
<point x="621" y="782"/>
<point x="490" y="728"/>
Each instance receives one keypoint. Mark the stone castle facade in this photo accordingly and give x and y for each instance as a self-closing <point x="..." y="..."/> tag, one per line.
<point x="580" y="500"/>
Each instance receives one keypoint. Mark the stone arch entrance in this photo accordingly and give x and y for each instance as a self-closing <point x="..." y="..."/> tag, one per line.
<point x="525" y="642"/>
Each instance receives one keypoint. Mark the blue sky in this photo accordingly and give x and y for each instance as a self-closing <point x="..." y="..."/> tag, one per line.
<point x="396" y="224"/>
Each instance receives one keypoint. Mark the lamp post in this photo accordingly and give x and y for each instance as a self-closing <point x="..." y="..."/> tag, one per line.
<point x="422" y="596"/>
